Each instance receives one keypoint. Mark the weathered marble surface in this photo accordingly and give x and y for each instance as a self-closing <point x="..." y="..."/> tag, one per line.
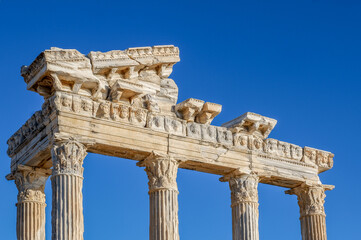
<point x="311" y="199"/>
<point x="244" y="199"/>
<point x="163" y="196"/>
<point x="123" y="103"/>
<point x="30" y="182"/>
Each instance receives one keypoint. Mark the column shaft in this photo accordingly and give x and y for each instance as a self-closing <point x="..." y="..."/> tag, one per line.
<point x="313" y="227"/>
<point x="67" y="211"/>
<point x="311" y="200"/>
<point x="245" y="221"/>
<point x="244" y="196"/>
<point x="163" y="215"/>
<point x="163" y="196"/>
<point x="30" y="222"/>
<point x="67" y="184"/>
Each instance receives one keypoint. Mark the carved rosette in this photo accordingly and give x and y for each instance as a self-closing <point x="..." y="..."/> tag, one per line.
<point x="68" y="157"/>
<point x="162" y="172"/>
<point x="244" y="189"/>
<point x="311" y="199"/>
<point x="31" y="184"/>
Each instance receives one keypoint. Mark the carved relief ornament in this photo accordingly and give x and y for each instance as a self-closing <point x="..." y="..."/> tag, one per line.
<point x="244" y="187"/>
<point x="161" y="170"/>
<point x="30" y="183"/>
<point x="68" y="157"/>
<point x="311" y="199"/>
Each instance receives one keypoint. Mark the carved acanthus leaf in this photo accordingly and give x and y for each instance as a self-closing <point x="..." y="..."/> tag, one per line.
<point x="68" y="157"/>
<point x="162" y="171"/>
<point x="244" y="187"/>
<point x="30" y="183"/>
<point x="311" y="199"/>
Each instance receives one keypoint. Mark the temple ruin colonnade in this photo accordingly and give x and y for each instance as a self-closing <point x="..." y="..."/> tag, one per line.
<point x="123" y="104"/>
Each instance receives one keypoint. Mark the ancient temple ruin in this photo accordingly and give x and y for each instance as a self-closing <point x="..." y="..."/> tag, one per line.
<point x="123" y="104"/>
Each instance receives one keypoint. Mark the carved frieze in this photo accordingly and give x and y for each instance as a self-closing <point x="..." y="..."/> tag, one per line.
<point x="323" y="159"/>
<point x="73" y="103"/>
<point x="119" y="112"/>
<point x="102" y="109"/>
<point x="209" y="133"/>
<point x="68" y="157"/>
<point x="174" y="126"/>
<point x="27" y="131"/>
<point x="156" y="122"/>
<point x="138" y="116"/>
<point x="166" y="124"/>
<point x="224" y="136"/>
<point x="269" y="146"/>
<point x="194" y="130"/>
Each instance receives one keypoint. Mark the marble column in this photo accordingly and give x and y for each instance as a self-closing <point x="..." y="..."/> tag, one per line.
<point x="30" y="223"/>
<point x="67" y="184"/>
<point x="244" y="203"/>
<point x="163" y="194"/>
<point x="311" y="200"/>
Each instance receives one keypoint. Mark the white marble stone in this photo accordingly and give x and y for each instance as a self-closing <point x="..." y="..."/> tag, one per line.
<point x="163" y="194"/>
<point x="67" y="184"/>
<point x="31" y="205"/>
<point x="311" y="199"/>
<point x="122" y="103"/>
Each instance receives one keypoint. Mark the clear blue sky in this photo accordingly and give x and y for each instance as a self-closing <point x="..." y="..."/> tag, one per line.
<point x="298" y="62"/>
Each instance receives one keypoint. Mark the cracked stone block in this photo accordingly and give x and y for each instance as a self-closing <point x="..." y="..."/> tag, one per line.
<point x="224" y="136"/>
<point x="209" y="133"/>
<point x="156" y="123"/>
<point x="174" y="126"/>
<point x="194" y="130"/>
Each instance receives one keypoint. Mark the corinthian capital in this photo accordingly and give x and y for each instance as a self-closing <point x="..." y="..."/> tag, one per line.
<point x="244" y="187"/>
<point x="68" y="157"/>
<point x="161" y="170"/>
<point x="311" y="199"/>
<point x="30" y="183"/>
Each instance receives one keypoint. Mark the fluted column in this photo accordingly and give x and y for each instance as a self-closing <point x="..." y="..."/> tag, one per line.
<point x="244" y="199"/>
<point x="30" y="222"/>
<point x="67" y="184"/>
<point x="163" y="195"/>
<point x="311" y="200"/>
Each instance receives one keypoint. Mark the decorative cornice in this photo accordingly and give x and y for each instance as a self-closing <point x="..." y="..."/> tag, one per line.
<point x="252" y="123"/>
<point x="311" y="198"/>
<point x="161" y="170"/>
<point x="68" y="157"/>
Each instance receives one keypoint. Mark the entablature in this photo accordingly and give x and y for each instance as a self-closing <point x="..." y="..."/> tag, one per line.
<point x="131" y="111"/>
